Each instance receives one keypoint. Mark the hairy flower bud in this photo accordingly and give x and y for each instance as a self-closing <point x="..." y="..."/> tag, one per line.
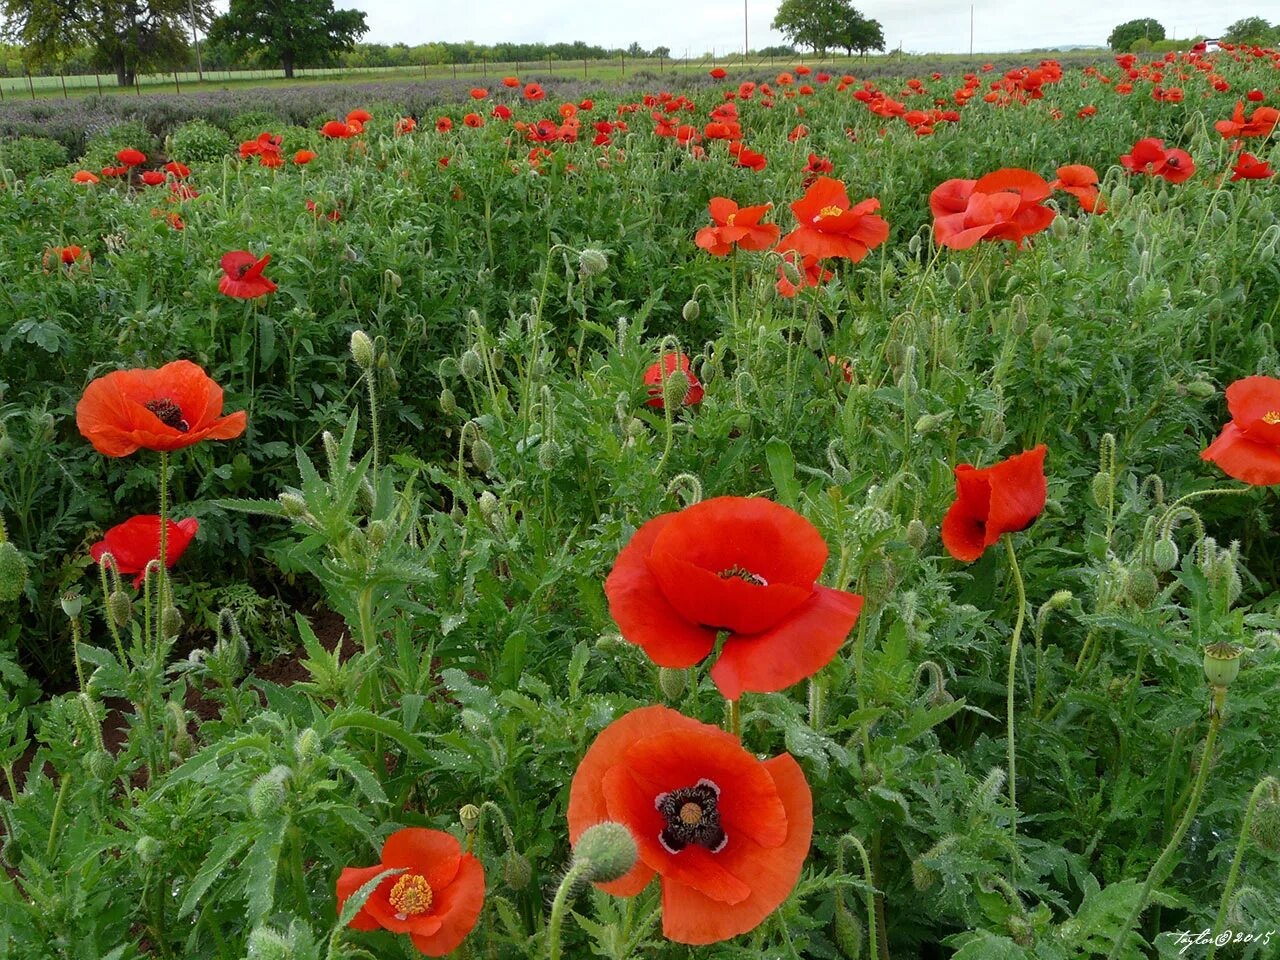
<point x="362" y="350"/>
<point x="482" y="455"/>
<point x="692" y="310"/>
<point x="672" y="682"/>
<point x="171" y="622"/>
<point x="448" y="403"/>
<point x="592" y="262"/>
<point x="675" y="387"/>
<point x="471" y="364"/>
<point x="148" y="848"/>
<point x="548" y="454"/>
<point x="850" y="936"/>
<point x="953" y="274"/>
<point x="13" y="572"/>
<point x="119" y="608"/>
<point x="1201" y="389"/>
<point x="516" y="870"/>
<point x="307" y="746"/>
<point x="267" y="943"/>
<point x="917" y="534"/>
<point x="1141" y="586"/>
<point x="608" y="849"/>
<point x="1164" y="554"/>
<point x="267" y="793"/>
<point x="1041" y="337"/>
<point x="1265" y="826"/>
<point x="1100" y="488"/>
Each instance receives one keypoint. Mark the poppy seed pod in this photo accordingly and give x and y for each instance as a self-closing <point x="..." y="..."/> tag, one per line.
<point x="13" y="572"/>
<point x="362" y="350"/>
<point x="609" y="851"/>
<point x="1222" y="663"/>
<point x="592" y="262"/>
<point x="1164" y="554"/>
<point x="692" y="310"/>
<point x="469" y="817"/>
<point x="471" y="365"/>
<point x="72" y="604"/>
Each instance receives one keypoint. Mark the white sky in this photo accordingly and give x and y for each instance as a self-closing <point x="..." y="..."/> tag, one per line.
<point x="919" y="25"/>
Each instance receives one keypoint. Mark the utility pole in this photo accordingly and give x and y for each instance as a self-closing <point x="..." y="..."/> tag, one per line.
<point x="971" y="29"/>
<point x="746" y="44"/>
<point x="195" y="38"/>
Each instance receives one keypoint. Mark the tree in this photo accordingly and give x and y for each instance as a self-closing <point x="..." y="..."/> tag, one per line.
<point x="662" y="53"/>
<point x="1251" y="30"/>
<point x="855" y="32"/>
<point x="126" y="36"/>
<point x="812" y="23"/>
<point x="292" y="32"/>
<point x="1123" y="36"/>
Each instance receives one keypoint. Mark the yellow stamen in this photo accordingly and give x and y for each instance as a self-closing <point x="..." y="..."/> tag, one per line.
<point x="410" y="896"/>
<point x="691" y="814"/>
<point x="1271" y="416"/>
<point x="729" y="220"/>
<point x="826" y="212"/>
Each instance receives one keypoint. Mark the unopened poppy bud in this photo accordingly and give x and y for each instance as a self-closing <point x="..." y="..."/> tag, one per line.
<point x="100" y="765"/>
<point x="482" y="455"/>
<point x="813" y="338"/>
<point x="13" y="572"/>
<point x="448" y="403"/>
<point x="488" y="505"/>
<point x="914" y="244"/>
<point x="447" y="368"/>
<point x="609" y="851"/>
<point x="469" y="817"/>
<point x="516" y="870"/>
<point x="592" y="262"/>
<point x="266" y="943"/>
<point x="498" y="357"/>
<point x="119" y="608"/>
<point x="1020" y="930"/>
<point x="292" y="504"/>
<point x="922" y="876"/>
<point x="1201" y="389"/>
<point x="1059" y="227"/>
<point x="931" y="422"/>
<point x="362" y="350"/>
<point x="72" y="603"/>
<point x="953" y="274"/>
<point x="675" y="388"/>
<point x="1100" y="488"/>
<point x="1141" y="586"/>
<point x="692" y="311"/>
<point x="917" y="534"/>
<point x="1041" y="337"/>
<point x="792" y="272"/>
<point x="849" y="934"/>
<point x="548" y="454"/>
<point x="307" y="746"/>
<point x="994" y="428"/>
<point x="1222" y="663"/>
<point x="1265" y="825"/>
<point x="148" y="849"/>
<point x="882" y="577"/>
<point x="1164" y="554"/>
<point x="471" y="364"/>
<point x="377" y="533"/>
<point x="611" y="640"/>
<point x="672" y="682"/>
<point x="895" y="351"/>
<point x="267" y="793"/>
<point x="393" y="278"/>
<point x="171" y="622"/>
<point x="11" y="852"/>
<point x="1062" y="344"/>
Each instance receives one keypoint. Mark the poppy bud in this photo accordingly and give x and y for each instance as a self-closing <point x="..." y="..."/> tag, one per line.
<point x="1164" y="554"/>
<point x="482" y="455"/>
<point x="498" y="357"/>
<point x="1041" y="336"/>
<point x="119" y="608"/>
<point x="377" y="533"/>
<point x="307" y="746"/>
<point x="170" y="622"/>
<point x="931" y="422"/>
<point x="692" y="310"/>
<point x="953" y="274"/>
<point x="148" y="849"/>
<point x="1020" y="930"/>
<point x="994" y="428"/>
<point x="1141" y="586"/>
<point x="488" y="505"/>
<point x="792" y="273"/>
<point x="394" y="279"/>
<point x="1201" y="390"/>
<point x="592" y="262"/>
<point x="1265" y="825"/>
<point x="516" y="870"/>
<point x="267" y="793"/>
<point x="11" y="852"/>
<point x="1100" y="488"/>
<point x="896" y="351"/>
<point x="608" y="849"/>
<point x="448" y="403"/>
<point x="813" y="336"/>
<point x="675" y="387"/>
<point x="672" y="682"/>
<point x="100" y="765"/>
<point x="362" y="350"/>
<point x="917" y="534"/>
<point x="72" y="603"/>
<point x="1062" y="344"/>
<point x="1221" y="663"/>
<point x="266" y="943"/>
<point x="447" y="368"/>
<point x="849" y="934"/>
<point x="611" y="640"/>
<point x="882" y="577"/>
<point x="914" y="244"/>
<point x="292" y="504"/>
<point x="13" y="572"/>
<point x="331" y="451"/>
<point x="471" y="365"/>
<point x="469" y="817"/>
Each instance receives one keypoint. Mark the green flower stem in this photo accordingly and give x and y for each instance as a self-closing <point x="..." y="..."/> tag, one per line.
<point x="1193" y="803"/>
<point x="106" y="599"/>
<point x="1013" y="665"/>
<point x="369" y="379"/>
<point x="163" y="578"/>
<point x="853" y="841"/>
<point x="735" y="718"/>
<point x="1234" y="874"/>
<point x="571" y="880"/>
<point x="57" y="815"/>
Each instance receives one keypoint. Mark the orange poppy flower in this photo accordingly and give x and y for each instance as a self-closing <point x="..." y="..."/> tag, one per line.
<point x="473" y="120"/>
<point x="437" y="898"/>
<point x="165" y="409"/>
<point x="242" y="275"/>
<point x="736" y="226"/>
<point x="136" y="543"/>
<point x="717" y="73"/>
<point x="444" y="125"/>
<point x="479" y="93"/>
<point x="406" y="125"/>
<point x="726" y="833"/>
<point x="747" y="566"/>
<point x="1082" y="183"/>
<point x="178" y="169"/>
<point x="303" y="157"/>
<point x="654" y="375"/>
<point x="84" y="176"/>
<point x="830" y="227"/>
<point x="510" y="81"/>
<point x="989" y="503"/>
<point x="153" y="178"/>
<point x="1248" y="448"/>
<point x="1003" y="205"/>
<point x="359" y="116"/>
<point x="337" y="130"/>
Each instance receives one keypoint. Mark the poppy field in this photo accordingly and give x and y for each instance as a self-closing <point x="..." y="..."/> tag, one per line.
<point x="793" y="516"/>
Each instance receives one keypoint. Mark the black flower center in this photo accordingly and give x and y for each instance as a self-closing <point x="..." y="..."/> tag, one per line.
<point x="168" y="413"/>
<point x="691" y="818"/>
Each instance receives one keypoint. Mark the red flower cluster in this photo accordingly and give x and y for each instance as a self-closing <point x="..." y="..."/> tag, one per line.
<point x="1004" y="205"/>
<point x="1149" y="156"/>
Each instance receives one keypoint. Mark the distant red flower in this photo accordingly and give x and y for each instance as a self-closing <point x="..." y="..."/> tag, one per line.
<point x="1249" y="167"/>
<point x="303" y="157"/>
<point x="1082" y="183"/>
<point x="737" y="226"/>
<point x="136" y="543"/>
<point x="727" y="833"/>
<point x="165" y="409"/>
<point x="510" y="82"/>
<point x="1260" y="124"/>
<point x="333" y="216"/>
<point x="406" y="125"/>
<point x="991" y="502"/>
<point x="359" y="116"/>
<point x="501" y="112"/>
<point x="242" y="275"/>
<point x="153" y="178"/>
<point x="337" y="130"/>
<point x="1248" y="448"/>
<point x="534" y="91"/>
<point x="69" y="256"/>
<point x="436" y="899"/>
<point x="803" y="71"/>
<point x="1004" y="205"/>
<point x="84" y="176"/>
<point x="1149" y="156"/>
<point x="745" y="566"/>
<point x="1255" y="96"/>
<point x="830" y="227"/>
<point x="130" y="157"/>
<point x="717" y="73"/>
<point x="751" y="160"/>
<point x="811" y="273"/>
<point x="444" y="125"/>
<point x="179" y="170"/>
<point x="479" y="93"/>
<point x="654" y="375"/>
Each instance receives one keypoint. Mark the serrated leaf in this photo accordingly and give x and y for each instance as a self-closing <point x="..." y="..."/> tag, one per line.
<point x="358" y="772"/>
<point x="220" y="854"/>
<point x="260" y="866"/>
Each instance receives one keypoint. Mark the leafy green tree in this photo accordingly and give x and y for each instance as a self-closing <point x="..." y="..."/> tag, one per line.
<point x="1251" y="30"/>
<point x="854" y="32"/>
<point x="291" y="32"/>
<point x="1124" y="36"/>
<point x="815" y="24"/>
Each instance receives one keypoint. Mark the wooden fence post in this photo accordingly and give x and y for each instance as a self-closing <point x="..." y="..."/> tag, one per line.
<point x="31" y="84"/>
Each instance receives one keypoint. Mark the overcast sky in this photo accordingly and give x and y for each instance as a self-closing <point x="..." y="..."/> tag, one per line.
<point x="700" y="25"/>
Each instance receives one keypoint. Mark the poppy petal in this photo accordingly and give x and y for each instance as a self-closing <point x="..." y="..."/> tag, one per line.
<point x="456" y="907"/>
<point x="1244" y="459"/>
<point x="349" y="881"/>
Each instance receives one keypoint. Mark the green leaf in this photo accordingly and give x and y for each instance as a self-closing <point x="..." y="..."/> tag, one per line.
<point x="361" y="897"/>
<point x="224" y="848"/>
<point x="260" y="866"/>
<point x="358" y="772"/>
<point x="920" y="723"/>
<point x="782" y="468"/>
<point x="388" y="728"/>
<point x="578" y="667"/>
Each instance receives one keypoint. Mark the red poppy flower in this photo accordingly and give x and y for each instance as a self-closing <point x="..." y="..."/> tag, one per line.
<point x="1249" y="167"/>
<point x="444" y="125"/>
<point x="989" y="503"/>
<point x="359" y="116"/>
<point x="1260" y="123"/>
<point x="179" y="170"/>
<point x="510" y="81"/>
<point x="136" y="543"/>
<point x="1150" y="157"/>
<point x="406" y="125"/>
<point x="473" y="120"/>
<point x="1003" y="205"/>
<point x="479" y="93"/>
<point x="811" y="274"/>
<point x="534" y="91"/>
<point x="165" y="409"/>
<point x="830" y="227"/>
<point x="337" y="130"/>
<point x="501" y="112"/>
<point x="751" y="160"/>
<point x="153" y="178"/>
<point x="242" y="275"/>
<point x="68" y="256"/>
<point x="726" y="833"/>
<point x="1082" y="183"/>
<point x="436" y="899"/>
<point x="654" y="375"/>
<point x="131" y="157"/>
<point x="84" y="176"/>
<point x="736" y="226"/>
<point x="303" y="157"/>
<point x="717" y="73"/>
<point x="745" y="566"/>
<point x="1248" y="448"/>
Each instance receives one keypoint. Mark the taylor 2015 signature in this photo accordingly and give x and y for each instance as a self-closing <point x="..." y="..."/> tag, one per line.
<point x="1186" y="939"/>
